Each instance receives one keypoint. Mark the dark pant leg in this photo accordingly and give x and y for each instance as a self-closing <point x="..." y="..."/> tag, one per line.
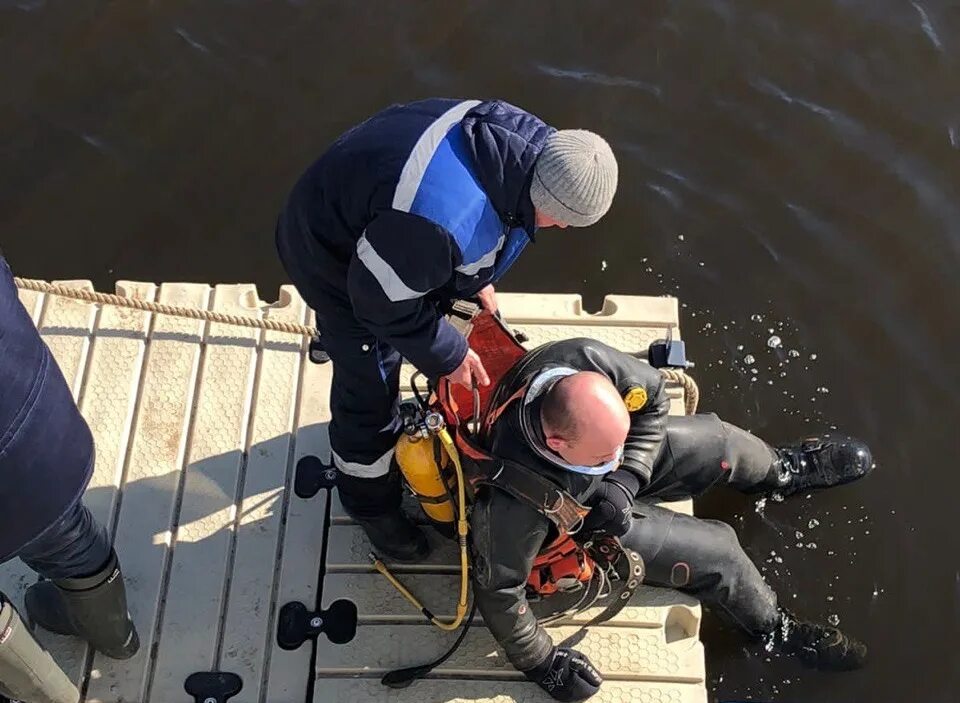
<point x="703" y="558"/>
<point x="75" y="546"/>
<point x="366" y="375"/>
<point x="701" y="451"/>
<point x="364" y="398"/>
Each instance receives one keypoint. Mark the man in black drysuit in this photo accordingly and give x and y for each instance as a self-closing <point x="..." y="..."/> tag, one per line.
<point x="594" y="420"/>
<point x="46" y="460"/>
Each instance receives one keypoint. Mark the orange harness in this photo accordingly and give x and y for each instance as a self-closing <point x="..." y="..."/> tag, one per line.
<point x="564" y="566"/>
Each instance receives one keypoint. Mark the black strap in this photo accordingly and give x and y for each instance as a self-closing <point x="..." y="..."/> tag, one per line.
<point x="627" y="564"/>
<point x="529" y="487"/>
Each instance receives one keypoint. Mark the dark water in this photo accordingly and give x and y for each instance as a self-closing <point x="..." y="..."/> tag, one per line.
<point x="796" y="161"/>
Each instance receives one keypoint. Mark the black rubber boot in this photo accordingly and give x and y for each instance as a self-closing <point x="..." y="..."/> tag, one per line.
<point x="27" y="671"/>
<point x="374" y="503"/>
<point x="821" y="462"/>
<point x="817" y="646"/>
<point x="93" y="608"/>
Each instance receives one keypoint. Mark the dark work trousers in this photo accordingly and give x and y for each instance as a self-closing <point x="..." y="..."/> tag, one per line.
<point x="74" y="546"/>
<point x="364" y="394"/>
<point x="697" y="556"/>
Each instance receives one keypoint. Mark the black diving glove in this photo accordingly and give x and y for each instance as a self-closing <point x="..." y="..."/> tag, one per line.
<point x="567" y="675"/>
<point x="611" y="506"/>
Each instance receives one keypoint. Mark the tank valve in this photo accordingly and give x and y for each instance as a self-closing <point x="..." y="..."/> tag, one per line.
<point x="434" y="422"/>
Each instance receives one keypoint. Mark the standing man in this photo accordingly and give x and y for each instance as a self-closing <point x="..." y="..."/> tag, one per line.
<point x="421" y="204"/>
<point x="46" y="460"/>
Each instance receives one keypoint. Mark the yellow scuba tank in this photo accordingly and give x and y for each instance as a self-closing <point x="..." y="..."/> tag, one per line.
<point x="417" y="458"/>
<point x="426" y="437"/>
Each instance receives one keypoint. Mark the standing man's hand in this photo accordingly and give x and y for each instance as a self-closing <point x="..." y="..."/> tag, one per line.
<point x="469" y="369"/>
<point x="488" y="299"/>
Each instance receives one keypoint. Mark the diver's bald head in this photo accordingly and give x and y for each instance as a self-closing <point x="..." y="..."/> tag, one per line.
<point x="584" y="419"/>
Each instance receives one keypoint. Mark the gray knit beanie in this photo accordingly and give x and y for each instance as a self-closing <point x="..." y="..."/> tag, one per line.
<point x="575" y="177"/>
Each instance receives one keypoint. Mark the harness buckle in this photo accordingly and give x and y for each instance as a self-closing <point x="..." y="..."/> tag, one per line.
<point x="556" y="510"/>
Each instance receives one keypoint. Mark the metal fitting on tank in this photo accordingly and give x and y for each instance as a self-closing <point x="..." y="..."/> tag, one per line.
<point x="434" y="421"/>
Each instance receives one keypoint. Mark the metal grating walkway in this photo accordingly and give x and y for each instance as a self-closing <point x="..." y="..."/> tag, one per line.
<point x="198" y="430"/>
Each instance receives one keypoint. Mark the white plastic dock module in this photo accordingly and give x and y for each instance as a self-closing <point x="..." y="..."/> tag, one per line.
<point x="648" y="652"/>
<point x="199" y="428"/>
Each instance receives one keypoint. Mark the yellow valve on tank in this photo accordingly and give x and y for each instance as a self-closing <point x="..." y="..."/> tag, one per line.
<point x="417" y="459"/>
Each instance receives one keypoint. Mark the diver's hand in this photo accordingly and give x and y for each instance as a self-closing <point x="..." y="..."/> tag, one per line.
<point x="470" y="369"/>
<point x="611" y="505"/>
<point x="567" y="675"/>
<point x="488" y="299"/>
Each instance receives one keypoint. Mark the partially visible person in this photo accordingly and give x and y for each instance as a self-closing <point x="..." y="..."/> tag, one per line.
<point x="594" y="420"/>
<point x="46" y="460"/>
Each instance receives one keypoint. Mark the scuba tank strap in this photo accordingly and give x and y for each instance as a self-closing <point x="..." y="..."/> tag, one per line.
<point x="494" y="413"/>
<point x="529" y="487"/>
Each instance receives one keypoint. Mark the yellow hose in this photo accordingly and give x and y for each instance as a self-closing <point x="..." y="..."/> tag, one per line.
<point x="462" y="528"/>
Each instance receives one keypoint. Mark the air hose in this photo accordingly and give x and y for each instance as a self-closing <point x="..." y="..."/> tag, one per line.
<point x="437" y="426"/>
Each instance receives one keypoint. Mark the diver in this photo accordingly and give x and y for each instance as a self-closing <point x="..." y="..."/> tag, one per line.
<point x="46" y="460"/>
<point x="594" y="420"/>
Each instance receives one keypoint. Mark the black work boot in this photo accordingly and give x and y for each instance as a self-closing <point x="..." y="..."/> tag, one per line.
<point x="374" y="504"/>
<point x="817" y="646"/>
<point x="93" y="608"/>
<point x="821" y="462"/>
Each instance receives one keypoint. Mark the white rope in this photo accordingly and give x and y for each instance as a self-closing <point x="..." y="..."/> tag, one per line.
<point x="691" y="391"/>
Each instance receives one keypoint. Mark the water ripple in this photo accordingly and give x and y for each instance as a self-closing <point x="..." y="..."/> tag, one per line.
<point x="599" y="78"/>
<point x="927" y="27"/>
<point x="182" y="33"/>
<point x="910" y="169"/>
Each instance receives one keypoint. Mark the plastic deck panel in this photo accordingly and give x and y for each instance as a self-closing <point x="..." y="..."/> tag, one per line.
<point x="649" y="652"/>
<point x="198" y="430"/>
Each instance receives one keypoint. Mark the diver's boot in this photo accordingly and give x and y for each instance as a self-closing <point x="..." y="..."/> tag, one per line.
<point x="27" y="671"/>
<point x="374" y="504"/>
<point x="93" y="608"/>
<point x="820" y="462"/>
<point x="817" y="646"/>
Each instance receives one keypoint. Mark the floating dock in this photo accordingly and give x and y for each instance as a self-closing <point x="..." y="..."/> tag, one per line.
<point x="199" y="429"/>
